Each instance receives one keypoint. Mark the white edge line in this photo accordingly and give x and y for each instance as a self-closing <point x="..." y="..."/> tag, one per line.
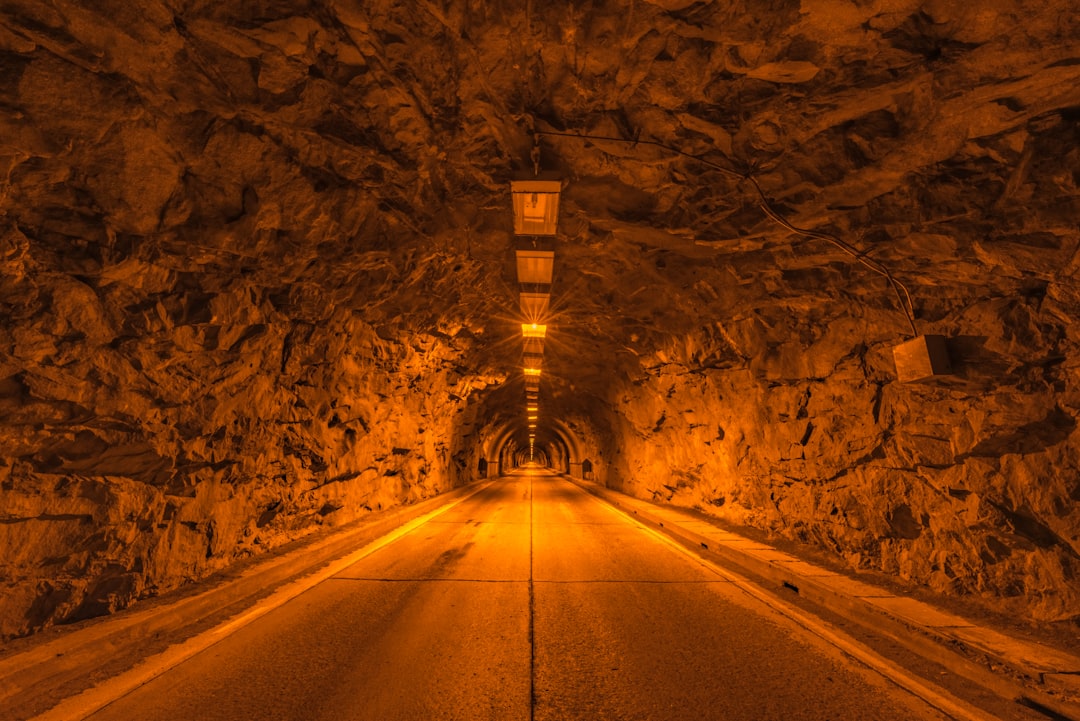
<point x="939" y="698"/>
<point x="92" y="700"/>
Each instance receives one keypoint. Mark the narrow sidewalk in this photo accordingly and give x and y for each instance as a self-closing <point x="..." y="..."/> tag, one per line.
<point x="50" y="673"/>
<point x="1011" y="667"/>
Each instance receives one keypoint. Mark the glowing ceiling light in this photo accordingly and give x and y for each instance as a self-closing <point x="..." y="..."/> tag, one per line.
<point x="533" y="418"/>
<point x="536" y="206"/>
<point x="535" y="267"/>
<point x="532" y="372"/>
<point x="533" y="330"/>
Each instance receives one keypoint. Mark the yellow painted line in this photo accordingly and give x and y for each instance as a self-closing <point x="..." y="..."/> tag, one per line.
<point x="92" y="700"/>
<point x="935" y="696"/>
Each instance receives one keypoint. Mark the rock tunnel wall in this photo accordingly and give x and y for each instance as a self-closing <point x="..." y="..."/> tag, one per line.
<point x="967" y="484"/>
<point x="133" y="465"/>
<point x="218" y="333"/>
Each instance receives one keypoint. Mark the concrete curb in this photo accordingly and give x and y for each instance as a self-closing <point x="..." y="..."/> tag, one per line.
<point x="36" y="678"/>
<point x="1049" y="679"/>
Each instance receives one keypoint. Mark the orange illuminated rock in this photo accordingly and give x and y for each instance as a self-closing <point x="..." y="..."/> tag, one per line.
<point x="258" y="277"/>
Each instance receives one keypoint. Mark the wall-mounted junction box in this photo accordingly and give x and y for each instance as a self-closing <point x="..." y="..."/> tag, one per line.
<point x="921" y="357"/>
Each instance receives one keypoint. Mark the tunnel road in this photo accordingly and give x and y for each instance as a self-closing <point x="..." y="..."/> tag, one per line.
<point x="529" y="600"/>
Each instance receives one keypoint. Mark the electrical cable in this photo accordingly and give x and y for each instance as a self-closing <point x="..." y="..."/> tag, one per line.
<point x="903" y="295"/>
<point x="874" y="265"/>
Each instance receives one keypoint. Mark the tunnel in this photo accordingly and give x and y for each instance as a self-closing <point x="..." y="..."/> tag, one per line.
<point x="275" y="268"/>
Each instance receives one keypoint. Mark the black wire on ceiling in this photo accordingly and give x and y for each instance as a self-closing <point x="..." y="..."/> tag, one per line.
<point x="901" y="291"/>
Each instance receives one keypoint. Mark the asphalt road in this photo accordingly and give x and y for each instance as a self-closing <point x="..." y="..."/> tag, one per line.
<point x="529" y="600"/>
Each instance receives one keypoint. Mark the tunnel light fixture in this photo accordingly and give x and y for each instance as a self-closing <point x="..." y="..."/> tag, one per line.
<point x="536" y="205"/>
<point x="535" y="267"/>
<point x="533" y="330"/>
<point x="534" y="306"/>
<point x="532" y="372"/>
<point x="533" y="418"/>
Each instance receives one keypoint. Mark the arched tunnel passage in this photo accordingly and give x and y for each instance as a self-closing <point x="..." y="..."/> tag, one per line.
<point x="550" y="453"/>
<point x="506" y="443"/>
<point x="526" y="457"/>
<point x="222" y="334"/>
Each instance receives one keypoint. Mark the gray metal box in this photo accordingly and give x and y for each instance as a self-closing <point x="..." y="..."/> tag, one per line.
<point x="921" y="357"/>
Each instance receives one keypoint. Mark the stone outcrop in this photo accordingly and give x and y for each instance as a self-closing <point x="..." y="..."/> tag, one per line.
<point x="948" y="484"/>
<point x="256" y="277"/>
<point x="139" y="462"/>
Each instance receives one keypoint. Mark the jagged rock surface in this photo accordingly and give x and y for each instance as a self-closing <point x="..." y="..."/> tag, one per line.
<point x="255" y="275"/>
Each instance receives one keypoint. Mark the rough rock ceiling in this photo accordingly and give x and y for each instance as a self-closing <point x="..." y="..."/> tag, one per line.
<point x="356" y="155"/>
<point x="260" y="187"/>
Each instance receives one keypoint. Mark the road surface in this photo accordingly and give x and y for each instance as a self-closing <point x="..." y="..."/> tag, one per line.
<point x="529" y="600"/>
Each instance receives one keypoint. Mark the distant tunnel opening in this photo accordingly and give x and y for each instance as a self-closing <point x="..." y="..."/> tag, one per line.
<point x="537" y="456"/>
